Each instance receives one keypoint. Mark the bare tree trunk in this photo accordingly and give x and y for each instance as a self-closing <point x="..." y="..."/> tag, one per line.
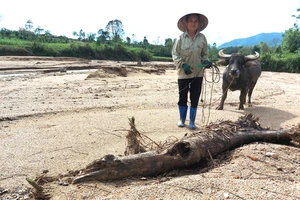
<point x="184" y="153"/>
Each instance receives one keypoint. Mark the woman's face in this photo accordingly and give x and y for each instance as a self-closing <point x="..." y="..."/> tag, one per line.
<point x="192" y="22"/>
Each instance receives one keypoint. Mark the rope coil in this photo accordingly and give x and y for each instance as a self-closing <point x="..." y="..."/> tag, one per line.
<point x="215" y="78"/>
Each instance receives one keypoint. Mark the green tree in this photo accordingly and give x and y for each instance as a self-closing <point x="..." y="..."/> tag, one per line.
<point x="5" y="33"/>
<point x="145" y="42"/>
<point x="128" y="40"/>
<point x="133" y="39"/>
<point x="169" y="45"/>
<point x="297" y="17"/>
<point x="246" y="50"/>
<point x="291" y="37"/>
<point x="275" y="42"/>
<point x="91" y="37"/>
<point x="29" y="25"/>
<point x="38" y="30"/>
<point x="81" y="35"/>
<point x="75" y="34"/>
<point x="264" y="48"/>
<point x="115" y="30"/>
<point x="256" y="48"/>
<point x="157" y="41"/>
<point x="213" y="52"/>
<point x="26" y="35"/>
<point x="47" y="33"/>
<point x="102" y="36"/>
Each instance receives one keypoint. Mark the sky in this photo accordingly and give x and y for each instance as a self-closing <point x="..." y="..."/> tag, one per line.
<point x="154" y="19"/>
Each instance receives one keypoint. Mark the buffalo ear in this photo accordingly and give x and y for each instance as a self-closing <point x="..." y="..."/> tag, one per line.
<point x="223" y="62"/>
<point x="227" y="61"/>
<point x="251" y="63"/>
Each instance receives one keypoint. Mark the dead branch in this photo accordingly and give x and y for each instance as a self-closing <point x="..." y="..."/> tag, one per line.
<point x="214" y="139"/>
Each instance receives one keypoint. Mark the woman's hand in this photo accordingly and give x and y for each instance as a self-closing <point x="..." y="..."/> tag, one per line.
<point x="205" y="63"/>
<point x="186" y="68"/>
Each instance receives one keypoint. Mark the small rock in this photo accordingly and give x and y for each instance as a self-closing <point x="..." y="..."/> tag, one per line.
<point x="273" y="155"/>
<point x="226" y="195"/>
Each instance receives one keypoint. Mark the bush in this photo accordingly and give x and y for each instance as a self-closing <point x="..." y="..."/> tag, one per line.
<point x="38" y="49"/>
<point x="106" y="52"/>
<point x="144" y="55"/>
<point x="122" y="53"/>
<point x="67" y="52"/>
<point x="162" y="59"/>
<point x="286" y="62"/>
<point x="14" y="51"/>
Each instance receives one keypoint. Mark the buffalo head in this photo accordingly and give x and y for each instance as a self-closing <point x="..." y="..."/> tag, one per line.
<point x="236" y="62"/>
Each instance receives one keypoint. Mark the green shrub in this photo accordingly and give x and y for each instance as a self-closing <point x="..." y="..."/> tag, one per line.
<point x="143" y="55"/>
<point x="14" y="51"/>
<point x="281" y="62"/>
<point x="122" y="53"/>
<point x="79" y="50"/>
<point x="39" y="49"/>
<point x="107" y="52"/>
<point x="162" y="59"/>
<point x="14" y="42"/>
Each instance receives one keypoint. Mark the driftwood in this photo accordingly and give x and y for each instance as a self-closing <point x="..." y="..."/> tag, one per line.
<point x="212" y="140"/>
<point x="134" y="145"/>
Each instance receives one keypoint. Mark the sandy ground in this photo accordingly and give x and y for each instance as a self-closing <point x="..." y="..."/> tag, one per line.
<point x="60" y="114"/>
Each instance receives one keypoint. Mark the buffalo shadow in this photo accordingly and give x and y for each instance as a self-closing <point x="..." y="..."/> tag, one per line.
<point x="270" y="116"/>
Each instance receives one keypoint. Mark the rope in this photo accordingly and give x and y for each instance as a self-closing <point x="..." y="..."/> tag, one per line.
<point x="215" y="78"/>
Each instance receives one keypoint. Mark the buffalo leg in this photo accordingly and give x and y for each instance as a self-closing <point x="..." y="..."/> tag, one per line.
<point x="242" y="99"/>
<point x="224" y="96"/>
<point x="250" y="93"/>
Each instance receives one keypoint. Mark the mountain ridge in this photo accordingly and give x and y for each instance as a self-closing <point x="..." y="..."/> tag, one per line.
<point x="271" y="39"/>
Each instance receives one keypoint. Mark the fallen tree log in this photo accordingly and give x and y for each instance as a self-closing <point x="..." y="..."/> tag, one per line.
<point x="213" y="140"/>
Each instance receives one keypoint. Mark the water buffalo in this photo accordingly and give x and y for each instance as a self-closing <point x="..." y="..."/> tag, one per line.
<point x="241" y="73"/>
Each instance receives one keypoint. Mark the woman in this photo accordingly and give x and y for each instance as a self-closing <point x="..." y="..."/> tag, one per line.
<point x="190" y="55"/>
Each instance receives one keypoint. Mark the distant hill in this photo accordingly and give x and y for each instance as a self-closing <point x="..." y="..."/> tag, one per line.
<point x="271" y="39"/>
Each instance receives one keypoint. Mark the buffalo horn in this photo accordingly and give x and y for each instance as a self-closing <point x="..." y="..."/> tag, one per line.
<point x="252" y="57"/>
<point x="223" y="55"/>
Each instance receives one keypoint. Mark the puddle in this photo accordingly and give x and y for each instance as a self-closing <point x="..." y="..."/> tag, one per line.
<point x="80" y="71"/>
<point x="20" y="74"/>
<point x="17" y="75"/>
